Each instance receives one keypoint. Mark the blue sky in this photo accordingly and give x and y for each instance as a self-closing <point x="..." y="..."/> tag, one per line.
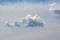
<point x="29" y="20"/>
<point x="31" y="1"/>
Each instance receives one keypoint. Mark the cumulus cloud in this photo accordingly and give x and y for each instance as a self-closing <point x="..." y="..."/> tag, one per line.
<point x="32" y="21"/>
<point x="55" y="8"/>
<point x="28" y="21"/>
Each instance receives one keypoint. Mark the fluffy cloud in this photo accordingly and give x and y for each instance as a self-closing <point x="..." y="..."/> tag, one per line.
<point x="55" y="8"/>
<point x="32" y="21"/>
<point x="28" y="21"/>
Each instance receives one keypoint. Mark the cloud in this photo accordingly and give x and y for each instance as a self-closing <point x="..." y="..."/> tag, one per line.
<point x="28" y="21"/>
<point x="13" y="24"/>
<point x="32" y="21"/>
<point x="55" y="8"/>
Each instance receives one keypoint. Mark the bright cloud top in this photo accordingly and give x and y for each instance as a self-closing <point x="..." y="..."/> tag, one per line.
<point x="55" y="8"/>
<point x="28" y="21"/>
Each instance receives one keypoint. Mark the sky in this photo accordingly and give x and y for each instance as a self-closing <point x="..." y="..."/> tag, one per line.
<point x="29" y="20"/>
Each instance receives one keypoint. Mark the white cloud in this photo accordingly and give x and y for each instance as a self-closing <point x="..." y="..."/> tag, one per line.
<point x="55" y="8"/>
<point x="32" y="21"/>
<point x="29" y="20"/>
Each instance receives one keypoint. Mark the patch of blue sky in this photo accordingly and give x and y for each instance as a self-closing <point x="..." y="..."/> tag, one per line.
<point x="9" y="1"/>
<point x="29" y="1"/>
<point x="37" y="1"/>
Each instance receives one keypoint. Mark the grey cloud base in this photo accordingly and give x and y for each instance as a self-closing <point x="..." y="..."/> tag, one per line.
<point x="28" y="21"/>
<point x="33" y="23"/>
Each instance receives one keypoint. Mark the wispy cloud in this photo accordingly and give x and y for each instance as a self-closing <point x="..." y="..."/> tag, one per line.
<point x="13" y="24"/>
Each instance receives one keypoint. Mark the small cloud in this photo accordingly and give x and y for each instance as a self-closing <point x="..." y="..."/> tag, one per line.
<point x="55" y="8"/>
<point x="13" y="24"/>
<point x="28" y="21"/>
<point x="32" y="21"/>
